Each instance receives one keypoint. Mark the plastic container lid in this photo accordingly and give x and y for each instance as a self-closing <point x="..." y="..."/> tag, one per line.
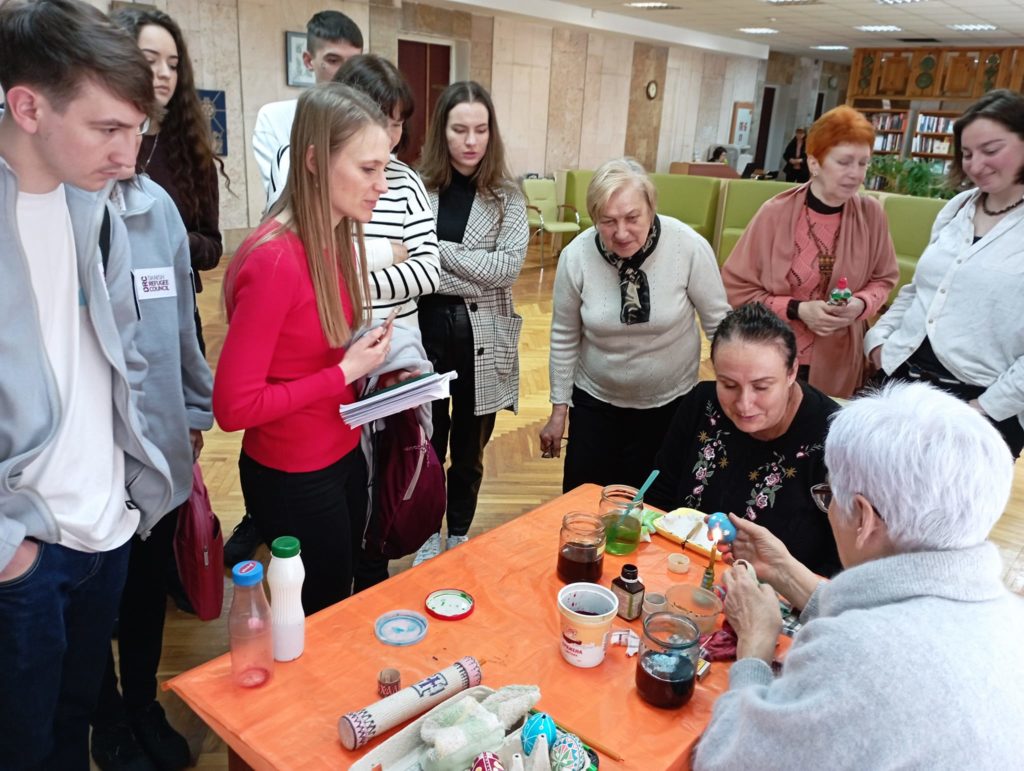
<point x="285" y="546"/>
<point x="400" y="627"/>
<point x="248" y="573"/>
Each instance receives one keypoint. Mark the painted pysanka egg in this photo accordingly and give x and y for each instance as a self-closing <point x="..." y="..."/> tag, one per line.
<point x="568" y="753"/>
<point x="537" y="725"/>
<point x="487" y="761"/>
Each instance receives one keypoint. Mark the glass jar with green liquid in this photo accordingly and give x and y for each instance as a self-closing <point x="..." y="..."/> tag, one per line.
<point x="621" y="517"/>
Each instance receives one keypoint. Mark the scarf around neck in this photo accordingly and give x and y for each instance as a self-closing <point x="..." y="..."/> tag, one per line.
<point x="633" y="287"/>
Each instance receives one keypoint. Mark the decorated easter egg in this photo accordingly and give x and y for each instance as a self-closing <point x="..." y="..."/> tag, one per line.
<point x="487" y="761"/>
<point x="537" y="725"/>
<point x="568" y="753"/>
<point x="720" y="527"/>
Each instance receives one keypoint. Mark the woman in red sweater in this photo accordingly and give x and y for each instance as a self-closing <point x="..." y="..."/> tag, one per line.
<point x="296" y="296"/>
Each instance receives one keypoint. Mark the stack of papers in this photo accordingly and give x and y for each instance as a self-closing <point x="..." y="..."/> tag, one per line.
<point x="397" y="398"/>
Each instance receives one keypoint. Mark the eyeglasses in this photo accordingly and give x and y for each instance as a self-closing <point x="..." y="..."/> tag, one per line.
<point x="822" y="495"/>
<point x="144" y="126"/>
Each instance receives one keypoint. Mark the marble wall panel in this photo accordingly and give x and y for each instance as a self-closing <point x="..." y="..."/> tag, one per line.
<point x="565" y="102"/>
<point x="650" y="63"/>
<point x="385" y="23"/>
<point x="605" y="99"/>
<point x="481" y="50"/>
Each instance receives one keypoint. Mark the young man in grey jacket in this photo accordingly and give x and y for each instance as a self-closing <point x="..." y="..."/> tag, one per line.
<point x="77" y="475"/>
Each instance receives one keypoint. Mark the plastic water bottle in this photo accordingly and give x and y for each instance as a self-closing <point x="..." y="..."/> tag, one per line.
<point x="285" y="577"/>
<point x="249" y="627"/>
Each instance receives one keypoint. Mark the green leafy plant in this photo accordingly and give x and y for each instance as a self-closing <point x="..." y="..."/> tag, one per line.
<point x="912" y="176"/>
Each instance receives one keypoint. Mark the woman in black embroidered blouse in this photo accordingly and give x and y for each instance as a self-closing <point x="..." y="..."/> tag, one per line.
<point x="752" y="442"/>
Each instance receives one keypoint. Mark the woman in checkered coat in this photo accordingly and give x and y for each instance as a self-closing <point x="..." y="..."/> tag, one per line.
<point x="469" y="325"/>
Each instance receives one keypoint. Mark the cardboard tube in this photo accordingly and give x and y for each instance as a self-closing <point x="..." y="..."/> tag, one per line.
<point x="357" y="728"/>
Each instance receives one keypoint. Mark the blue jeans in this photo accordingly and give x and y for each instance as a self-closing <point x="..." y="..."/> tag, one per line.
<point x="55" y="625"/>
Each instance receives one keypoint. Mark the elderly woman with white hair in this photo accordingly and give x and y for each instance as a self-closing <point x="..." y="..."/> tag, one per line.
<point x="625" y="347"/>
<point x="910" y="657"/>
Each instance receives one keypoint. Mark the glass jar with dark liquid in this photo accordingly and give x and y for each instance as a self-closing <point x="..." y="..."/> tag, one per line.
<point x="666" y="669"/>
<point x="581" y="544"/>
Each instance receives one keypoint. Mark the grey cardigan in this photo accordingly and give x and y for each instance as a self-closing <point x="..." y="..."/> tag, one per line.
<point x="30" y="410"/>
<point x="178" y="386"/>
<point x="482" y="270"/>
<point x="909" y="662"/>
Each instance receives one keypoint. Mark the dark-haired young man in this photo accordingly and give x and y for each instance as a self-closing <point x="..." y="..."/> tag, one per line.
<point x="331" y="39"/>
<point x="77" y="476"/>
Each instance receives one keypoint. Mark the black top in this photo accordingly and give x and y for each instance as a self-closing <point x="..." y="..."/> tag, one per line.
<point x="708" y="464"/>
<point x="815" y="204"/>
<point x="453" y="207"/>
<point x="204" y="239"/>
<point x="794" y="174"/>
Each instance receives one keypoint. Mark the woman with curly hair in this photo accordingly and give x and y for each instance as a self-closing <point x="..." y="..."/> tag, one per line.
<point x="177" y="153"/>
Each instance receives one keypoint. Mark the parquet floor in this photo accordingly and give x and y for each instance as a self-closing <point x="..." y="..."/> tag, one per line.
<point x="516" y="480"/>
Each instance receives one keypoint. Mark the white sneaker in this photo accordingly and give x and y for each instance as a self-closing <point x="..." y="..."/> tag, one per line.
<point x="455" y="540"/>
<point x="428" y="550"/>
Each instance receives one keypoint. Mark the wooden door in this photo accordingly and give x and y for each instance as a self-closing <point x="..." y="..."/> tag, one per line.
<point x="427" y="67"/>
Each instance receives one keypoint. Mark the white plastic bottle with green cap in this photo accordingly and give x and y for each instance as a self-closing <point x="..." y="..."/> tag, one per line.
<point x="285" y="577"/>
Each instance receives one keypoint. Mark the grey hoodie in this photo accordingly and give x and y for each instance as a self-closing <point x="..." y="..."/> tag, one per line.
<point x="179" y="387"/>
<point x="30" y="408"/>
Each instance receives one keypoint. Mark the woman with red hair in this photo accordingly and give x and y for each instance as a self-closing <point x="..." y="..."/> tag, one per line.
<point x="804" y="241"/>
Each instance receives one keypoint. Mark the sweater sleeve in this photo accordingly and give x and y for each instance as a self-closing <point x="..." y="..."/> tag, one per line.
<point x="243" y="395"/>
<point x="566" y="326"/>
<point x="665" y="493"/>
<point x="420" y="273"/>
<point x="741" y="273"/>
<point x="705" y="288"/>
<point x="488" y="269"/>
<point x="204" y="238"/>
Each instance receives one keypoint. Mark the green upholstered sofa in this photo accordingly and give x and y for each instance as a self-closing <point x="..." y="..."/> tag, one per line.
<point x="741" y="198"/>
<point x="690" y="199"/>
<point x="910" y="224"/>
<point x="693" y="200"/>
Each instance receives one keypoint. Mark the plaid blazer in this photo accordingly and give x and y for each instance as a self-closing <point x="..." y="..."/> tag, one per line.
<point x="482" y="270"/>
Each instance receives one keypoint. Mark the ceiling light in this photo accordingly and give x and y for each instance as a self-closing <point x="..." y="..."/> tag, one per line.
<point x="831" y="48"/>
<point x="972" y="27"/>
<point x="793" y="2"/>
<point x="897" y="2"/>
<point x="880" y="28"/>
<point x="759" y="30"/>
<point x="652" y="6"/>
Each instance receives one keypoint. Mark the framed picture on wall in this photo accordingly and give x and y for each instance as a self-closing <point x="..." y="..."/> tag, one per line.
<point x="742" y="118"/>
<point x="295" y="69"/>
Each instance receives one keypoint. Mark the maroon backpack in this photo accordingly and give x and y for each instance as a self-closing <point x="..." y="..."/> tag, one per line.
<point x="409" y="489"/>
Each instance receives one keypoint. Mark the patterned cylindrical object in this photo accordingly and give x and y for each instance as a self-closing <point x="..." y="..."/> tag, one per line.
<point x="357" y="728"/>
<point x="389" y="681"/>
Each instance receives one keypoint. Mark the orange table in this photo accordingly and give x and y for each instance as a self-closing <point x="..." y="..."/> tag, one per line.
<point x="291" y="723"/>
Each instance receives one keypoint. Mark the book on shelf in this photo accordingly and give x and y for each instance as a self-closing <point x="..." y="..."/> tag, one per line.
<point x="888" y="121"/>
<point x="935" y="124"/>
<point x="931" y="145"/>
<point x="888" y="143"/>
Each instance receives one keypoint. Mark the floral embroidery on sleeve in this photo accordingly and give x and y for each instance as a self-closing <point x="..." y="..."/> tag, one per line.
<point x="711" y="455"/>
<point x="769" y="478"/>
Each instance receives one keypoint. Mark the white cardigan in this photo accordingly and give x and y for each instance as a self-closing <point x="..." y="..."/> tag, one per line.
<point x="967" y="298"/>
<point x="637" y="366"/>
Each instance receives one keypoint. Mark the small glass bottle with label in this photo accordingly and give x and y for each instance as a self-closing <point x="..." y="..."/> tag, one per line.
<point x="630" y="591"/>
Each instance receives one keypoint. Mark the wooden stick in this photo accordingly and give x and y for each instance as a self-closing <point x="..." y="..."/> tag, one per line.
<point x="591" y="743"/>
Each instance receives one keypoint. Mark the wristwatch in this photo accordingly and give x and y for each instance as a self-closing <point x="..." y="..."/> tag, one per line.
<point x="793" y="310"/>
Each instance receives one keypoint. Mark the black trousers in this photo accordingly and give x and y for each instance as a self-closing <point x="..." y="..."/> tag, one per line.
<point x="610" y="445"/>
<point x="448" y="341"/>
<point x="1011" y="429"/>
<point x="324" y="509"/>
<point x="140" y="626"/>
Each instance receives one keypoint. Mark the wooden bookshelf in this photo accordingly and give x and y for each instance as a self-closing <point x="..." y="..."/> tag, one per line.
<point x="933" y="134"/>
<point x="890" y="130"/>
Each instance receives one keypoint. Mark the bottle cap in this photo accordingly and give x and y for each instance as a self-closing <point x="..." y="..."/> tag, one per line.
<point x="629" y="572"/>
<point x="285" y="546"/>
<point x="248" y="573"/>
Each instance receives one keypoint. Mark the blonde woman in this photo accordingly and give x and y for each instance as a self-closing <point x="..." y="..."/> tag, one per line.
<point x="296" y="295"/>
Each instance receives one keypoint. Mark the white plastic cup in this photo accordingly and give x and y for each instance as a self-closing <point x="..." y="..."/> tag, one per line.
<point x="586" y="612"/>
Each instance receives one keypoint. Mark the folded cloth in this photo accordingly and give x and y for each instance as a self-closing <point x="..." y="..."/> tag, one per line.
<point x="721" y="646"/>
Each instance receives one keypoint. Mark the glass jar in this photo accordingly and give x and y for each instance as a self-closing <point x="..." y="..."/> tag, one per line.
<point x="667" y="666"/>
<point x="581" y="544"/>
<point x="622" y="518"/>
